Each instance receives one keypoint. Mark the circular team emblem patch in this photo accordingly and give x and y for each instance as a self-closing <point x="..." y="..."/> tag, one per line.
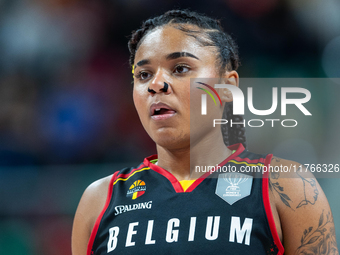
<point x="137" y="189"/>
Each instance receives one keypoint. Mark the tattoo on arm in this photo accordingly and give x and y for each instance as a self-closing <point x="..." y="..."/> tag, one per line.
<point x="275" y="186"/>
<point x="312" y="183"/>
<point x="307" y="184"/>
<point x="320" y="240"/>
<point x="276" y="159"/>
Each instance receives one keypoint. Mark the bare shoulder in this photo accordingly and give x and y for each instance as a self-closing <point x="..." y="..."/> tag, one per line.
<point x="305" y="215"/>
<point x="90" y="206"/>
<point x="93" y="200"/>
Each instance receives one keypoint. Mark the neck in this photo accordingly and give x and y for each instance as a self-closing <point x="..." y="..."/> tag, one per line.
<point x="183" y="163"/>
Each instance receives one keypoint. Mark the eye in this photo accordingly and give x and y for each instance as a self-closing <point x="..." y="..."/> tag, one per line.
<point x="181" y="69"/>
<point x="143" y="75"/>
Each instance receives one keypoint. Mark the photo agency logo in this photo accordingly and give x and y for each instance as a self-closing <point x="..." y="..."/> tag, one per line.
<point x="204" y="97"/>
<point x="239" y="105"/>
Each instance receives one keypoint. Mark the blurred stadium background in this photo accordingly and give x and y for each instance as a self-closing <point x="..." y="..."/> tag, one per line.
<point x="66" y="111"/>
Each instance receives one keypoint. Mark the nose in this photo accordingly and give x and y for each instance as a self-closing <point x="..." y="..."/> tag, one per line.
<point x="159" y="84"/>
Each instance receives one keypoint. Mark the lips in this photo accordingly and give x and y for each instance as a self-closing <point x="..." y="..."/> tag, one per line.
<point x="161" y="111"/>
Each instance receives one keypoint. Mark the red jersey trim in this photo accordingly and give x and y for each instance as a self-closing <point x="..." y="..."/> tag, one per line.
<point x="266" y="202"/>
<point x="250" y="161"/>
<point x="175" y="183"/>
<point x="125" y="177"/>
<point x="96" y="225"/>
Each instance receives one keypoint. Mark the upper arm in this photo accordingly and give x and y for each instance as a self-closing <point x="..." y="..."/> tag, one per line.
<point x="305" y="215"/>
<point x="90" y="206"/>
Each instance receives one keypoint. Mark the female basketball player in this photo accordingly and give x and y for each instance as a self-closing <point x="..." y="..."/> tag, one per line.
<point x="161" y="206"/>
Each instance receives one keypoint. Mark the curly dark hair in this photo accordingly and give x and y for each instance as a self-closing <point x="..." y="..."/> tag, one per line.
<point x="208" y="32"/>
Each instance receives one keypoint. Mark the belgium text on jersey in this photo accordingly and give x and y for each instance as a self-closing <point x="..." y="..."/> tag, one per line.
<point x="241" y="234"/>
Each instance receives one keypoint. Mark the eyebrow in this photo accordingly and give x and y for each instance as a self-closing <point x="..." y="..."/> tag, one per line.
<point x="171" y="56"/>
<point x="143" y="62"/>
<point x="175" y="55"/>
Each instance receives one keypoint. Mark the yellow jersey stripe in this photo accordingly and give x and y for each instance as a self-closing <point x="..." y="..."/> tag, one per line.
<point x="125" y="179"/>
<point x="246" y="163"/>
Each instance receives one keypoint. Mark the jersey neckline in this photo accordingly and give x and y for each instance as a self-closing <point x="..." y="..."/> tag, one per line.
<point x="173" y="180"/>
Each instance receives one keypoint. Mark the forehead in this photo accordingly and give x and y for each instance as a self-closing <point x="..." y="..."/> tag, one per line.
<point x="168" y="39"/>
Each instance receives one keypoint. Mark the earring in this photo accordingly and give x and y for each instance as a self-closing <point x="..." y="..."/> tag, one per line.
<point x="165" y="88"/>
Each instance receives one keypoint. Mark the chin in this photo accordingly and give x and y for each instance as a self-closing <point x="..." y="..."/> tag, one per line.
<point x="172" y="140"/>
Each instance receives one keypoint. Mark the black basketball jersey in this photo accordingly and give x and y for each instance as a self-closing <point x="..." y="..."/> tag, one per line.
<point x="148" y="212"/>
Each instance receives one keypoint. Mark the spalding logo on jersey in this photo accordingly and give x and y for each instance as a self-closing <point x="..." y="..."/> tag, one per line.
<point x="137" y="189"/>
<point x="232" y="187"/>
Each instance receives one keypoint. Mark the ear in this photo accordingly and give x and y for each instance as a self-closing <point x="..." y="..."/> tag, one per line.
<point x="230" y="78"/>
